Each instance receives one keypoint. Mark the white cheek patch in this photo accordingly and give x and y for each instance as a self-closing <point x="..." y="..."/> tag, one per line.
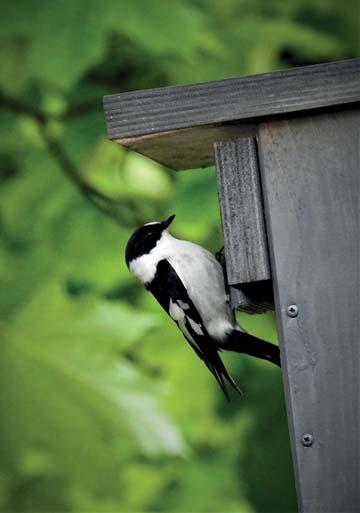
<point x="144" y="268"/>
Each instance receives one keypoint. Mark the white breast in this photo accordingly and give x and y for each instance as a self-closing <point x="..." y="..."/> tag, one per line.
<point x="202" y="276"/>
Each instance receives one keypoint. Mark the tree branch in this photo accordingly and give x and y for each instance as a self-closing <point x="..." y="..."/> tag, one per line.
<point x="102" y="202"/>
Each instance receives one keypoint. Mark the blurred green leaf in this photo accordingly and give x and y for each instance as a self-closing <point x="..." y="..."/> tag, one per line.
<point x="71" y="398"/>
<point x="100" y="395"/>
<point x="119" y="174"/>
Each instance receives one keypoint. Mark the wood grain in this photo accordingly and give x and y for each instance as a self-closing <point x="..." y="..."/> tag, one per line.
<point x="186" y="148"/>
<point x="245" y="243"/>
<point x="310" y="177"/>
<point x="132" y="116"/>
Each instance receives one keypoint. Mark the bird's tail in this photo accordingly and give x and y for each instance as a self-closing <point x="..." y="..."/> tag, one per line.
<point x="218" y="369"/>
<point x="241" y="342"/>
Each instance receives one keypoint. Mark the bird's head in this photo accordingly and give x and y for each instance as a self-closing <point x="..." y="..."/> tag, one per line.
<point x="145" y="238"/>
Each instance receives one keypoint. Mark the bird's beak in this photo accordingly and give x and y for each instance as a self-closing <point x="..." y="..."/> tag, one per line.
<point x="168" y="222"/>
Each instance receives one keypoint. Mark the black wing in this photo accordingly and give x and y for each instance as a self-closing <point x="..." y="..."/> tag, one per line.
<point x="172" y="295"/>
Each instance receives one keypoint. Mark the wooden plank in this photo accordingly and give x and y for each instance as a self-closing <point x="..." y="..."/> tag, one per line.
<point x="310" y="178"/>
<point x="242" y="213"/>
<point x="187" y="148"/>
<point x="137" y="119"/>
<point x="253" y="297"/>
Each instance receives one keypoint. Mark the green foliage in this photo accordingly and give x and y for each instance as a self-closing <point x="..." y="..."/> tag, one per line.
<point x="103" y="406"/>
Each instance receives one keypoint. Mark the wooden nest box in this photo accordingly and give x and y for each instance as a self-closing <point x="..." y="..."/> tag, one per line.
<point x="286" y="149"/>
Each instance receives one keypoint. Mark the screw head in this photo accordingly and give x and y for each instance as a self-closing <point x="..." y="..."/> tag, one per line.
<point x="307" y="440"/>
<point x="292" y="311"/>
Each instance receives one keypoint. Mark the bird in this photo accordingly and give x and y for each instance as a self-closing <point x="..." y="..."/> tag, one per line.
<point x="189" y="284"/>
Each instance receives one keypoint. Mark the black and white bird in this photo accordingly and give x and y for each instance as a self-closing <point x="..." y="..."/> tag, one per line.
<point x="189" y="284"/>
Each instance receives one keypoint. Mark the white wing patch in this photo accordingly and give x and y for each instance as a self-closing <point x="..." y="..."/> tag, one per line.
<point x="195" y="326"/>
<point x="183" y="305"/>
<point x="178" y="315"/>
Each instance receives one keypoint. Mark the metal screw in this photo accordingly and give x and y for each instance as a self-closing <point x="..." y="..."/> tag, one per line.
<point x="292" y="311"/>
<point x="307" y="440"/>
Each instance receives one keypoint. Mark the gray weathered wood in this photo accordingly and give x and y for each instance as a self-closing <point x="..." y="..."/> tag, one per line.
<point x="252" y="297"/>
<point x="310" y="178"/>
<point x="187" y="148"/>
<point x="245" y="243"/>
<point x="139" y="119"/>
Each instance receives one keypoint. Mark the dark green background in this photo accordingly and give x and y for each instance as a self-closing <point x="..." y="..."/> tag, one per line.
<point x="103" y="406"/>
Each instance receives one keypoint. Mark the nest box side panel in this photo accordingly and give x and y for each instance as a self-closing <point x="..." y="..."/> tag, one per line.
<point x="245" y="241"/>
<point x="310" y="178"/>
